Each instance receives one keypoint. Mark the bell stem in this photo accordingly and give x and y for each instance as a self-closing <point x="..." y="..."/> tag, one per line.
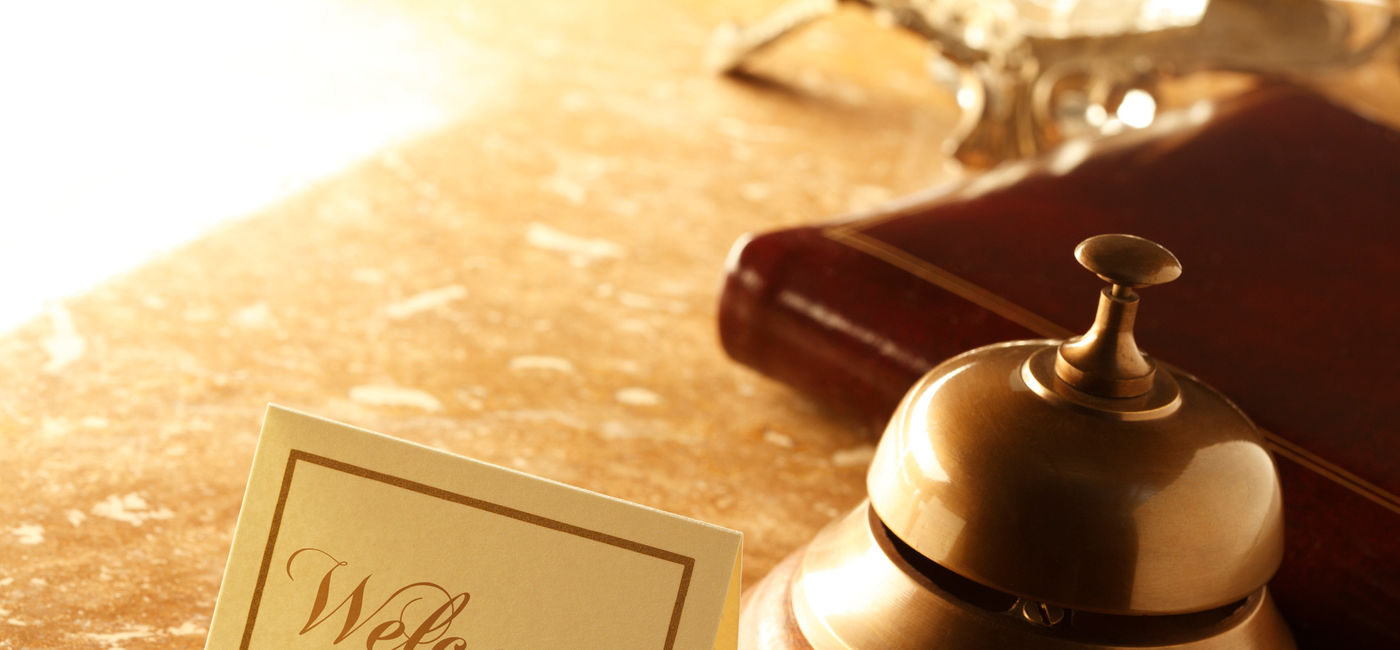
<point x="1105" y="361"/>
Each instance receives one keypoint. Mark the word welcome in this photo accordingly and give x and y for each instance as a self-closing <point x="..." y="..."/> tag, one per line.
<point x="406" y="631"/>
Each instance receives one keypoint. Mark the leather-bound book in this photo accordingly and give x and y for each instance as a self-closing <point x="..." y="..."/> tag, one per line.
<point x="1284" y="209"/>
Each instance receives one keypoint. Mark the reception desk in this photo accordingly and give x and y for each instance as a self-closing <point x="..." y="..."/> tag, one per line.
<point x="528" y="278"/>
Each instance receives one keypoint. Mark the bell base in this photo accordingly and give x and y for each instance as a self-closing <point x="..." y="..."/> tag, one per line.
<point x="766" y="621"/>
<point x="850" y="589"/>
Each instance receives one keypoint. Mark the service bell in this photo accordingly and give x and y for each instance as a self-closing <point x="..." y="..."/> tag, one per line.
<point x="1047" y="494"/>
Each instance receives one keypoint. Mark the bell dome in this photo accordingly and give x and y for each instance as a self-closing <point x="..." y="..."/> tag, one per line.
<point x="1084" y="474"/>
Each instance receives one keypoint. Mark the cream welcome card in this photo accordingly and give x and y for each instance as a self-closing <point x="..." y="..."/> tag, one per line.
<point x="350" y="539"/>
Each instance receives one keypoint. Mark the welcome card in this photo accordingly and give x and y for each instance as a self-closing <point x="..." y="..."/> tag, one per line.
<point x="351" y="539"/>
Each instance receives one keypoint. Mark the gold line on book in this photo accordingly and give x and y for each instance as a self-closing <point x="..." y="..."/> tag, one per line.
<point x="850" y="234"/>
<point x="954" y="284"/>
<point x="1332" y="471"/>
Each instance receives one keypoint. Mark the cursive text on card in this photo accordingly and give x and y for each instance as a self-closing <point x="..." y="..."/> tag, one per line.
<point x="418" y="625"/>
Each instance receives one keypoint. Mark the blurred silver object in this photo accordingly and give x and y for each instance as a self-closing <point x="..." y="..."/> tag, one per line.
<point x="1028" y="74"/>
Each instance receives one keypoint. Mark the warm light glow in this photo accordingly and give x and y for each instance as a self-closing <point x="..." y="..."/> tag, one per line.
<point x="131" y="127"/>
<point x="1137" y="109"/>
<point x="1078" y="18"/>
<point x="1173" y="13"/>
<point x="835" y="592"/>
<point x="1069" y="155"/>
<point x="967" y="98"/>
<point x="1095" y="115"/>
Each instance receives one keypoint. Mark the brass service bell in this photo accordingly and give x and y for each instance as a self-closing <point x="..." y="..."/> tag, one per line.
<point x="1048" y="495"/>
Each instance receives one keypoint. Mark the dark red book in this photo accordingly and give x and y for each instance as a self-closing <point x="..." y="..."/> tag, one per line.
<point x="1285" y="211"/>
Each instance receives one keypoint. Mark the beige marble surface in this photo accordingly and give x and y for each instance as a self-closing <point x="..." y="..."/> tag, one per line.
<point x="531" y="282"/>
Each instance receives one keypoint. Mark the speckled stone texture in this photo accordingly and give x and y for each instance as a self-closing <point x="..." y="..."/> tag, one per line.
<point x="533" y="285"/>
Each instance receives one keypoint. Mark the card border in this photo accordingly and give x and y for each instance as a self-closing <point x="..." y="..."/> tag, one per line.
<point x="296" y="455"/>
